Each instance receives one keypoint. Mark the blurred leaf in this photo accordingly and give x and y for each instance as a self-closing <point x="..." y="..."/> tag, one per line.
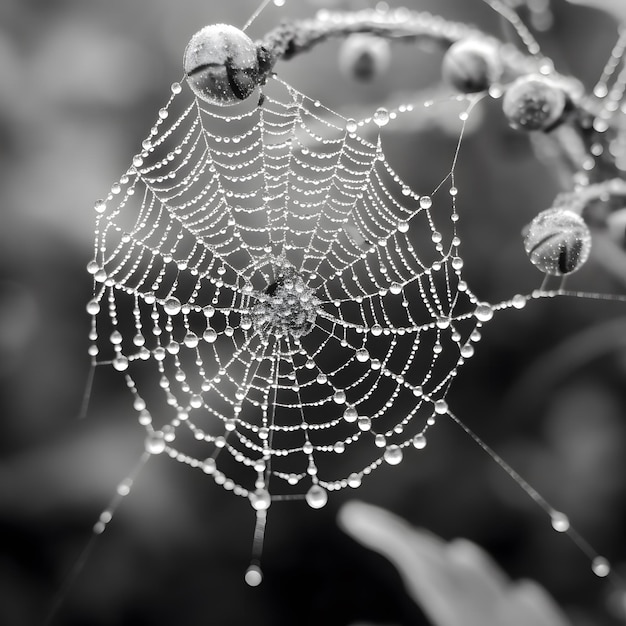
<point x="456" y="583"/>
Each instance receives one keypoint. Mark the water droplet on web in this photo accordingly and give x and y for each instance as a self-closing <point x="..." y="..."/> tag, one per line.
<point x="393" y="455"/>
<point x="100" y="206"/>
<point x="419" y="441"/>
<point x="441" y="407"/>
<point x="350" y="414"/>
<point x="483" y="312"/>
<point x="351" y="125"/>
<point x="560" y="522"/>
<point x="426" y="202"/>
<point x="362" y="355"/>
<point x="254" y="576"/>
<point x="381" y="117"/>
<point x="93" y="307"/>
<point x="601" y="567"/>
<point x="155" y="443"/>
<point x="316" y="497"/>
<point x="172" y="306"/>
<point x="260" y="500"/>
<point x="120" y="363"/>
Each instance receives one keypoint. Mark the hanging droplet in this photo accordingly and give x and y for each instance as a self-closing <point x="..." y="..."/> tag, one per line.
<point x="339" y="396"/>
<point x="362" y="355"/>
<point x="483" y="312"/>
<point x="426" y="202"/>
<point x="467" y="351"/>
<point x="260" y="499"/>
<point x="351" y="126"/>
<point x="316" y="497"/>
<point x="560" y="521"/>
<point x="403" y="227"/>
<point x="93" y="307"/>
<point x="172" y="306"/>
<point x="120" y="363"/>
<point x="419" y="441"/>
<point x="155" y="442"/>
<point x="558" y="242"/>
<point x="254" y="576"/>
<point x="210" y="335"/>
<point x="381" y="117"/>
<point x="601" y="567"/>
<point x="354" y="481"/>
<point x="441" y="407"/>
<point x="350" y="414"/>
<point x="100" y="206"/>
<point x="393" y="455"/>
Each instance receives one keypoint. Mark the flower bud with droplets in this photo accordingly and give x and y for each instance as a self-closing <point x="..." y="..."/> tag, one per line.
<point x="534" y="103"/>
<point x="471" y="65"/>
<point x="558" y="242"/>
<point x="364" y="57"/>
<point x="221" y="65"/>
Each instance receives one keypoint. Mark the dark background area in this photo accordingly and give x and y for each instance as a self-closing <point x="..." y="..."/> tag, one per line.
<point x="80" y="84"/>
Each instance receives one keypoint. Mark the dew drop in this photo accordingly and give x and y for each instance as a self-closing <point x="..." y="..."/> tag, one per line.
<point x="560" y="522"/>
<point x="441" y="407"/>
<point x="467" y="351"/>
<point x="601" y="567"/>
<point x="426" y="202"/>
<point x="519" y="301"/>
<point x="376" y="330"/>
<point x="316" y="497"/>
<point x="100" y="206"/>
<point x="403" y="227"/>
<point x="362" y="355"/>
<point x="419" y="441"/>
<point x="364" y="423"/>
<point x="381" y="117"/>
<point x="120" y="363"/>
<point x="393" y="455"/>
<point x="210" y="335"/>
<point x="176" y="88"/>
<point x="350" y="414"/>
<point x="155" y="442"/>
<point x="172" y="306"/>
<point x="351" y="125"/>
<point x="254" y="576"/>
<point x="483" y="312"/>
<point x="209" y="466"/>
<point x="339" y="397"/>
<point x="354" y="481"/>
<point x="260" y="499"/>
<point x="93" y="307"/>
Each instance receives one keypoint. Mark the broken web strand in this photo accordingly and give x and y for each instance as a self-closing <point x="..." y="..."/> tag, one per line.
<point x="382" y="247"/>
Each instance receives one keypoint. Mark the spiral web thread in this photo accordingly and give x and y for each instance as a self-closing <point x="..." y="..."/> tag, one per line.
<point x="287" y="313"/>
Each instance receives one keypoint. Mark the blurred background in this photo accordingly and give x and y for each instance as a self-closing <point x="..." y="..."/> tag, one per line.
<point x="81" y="82"/>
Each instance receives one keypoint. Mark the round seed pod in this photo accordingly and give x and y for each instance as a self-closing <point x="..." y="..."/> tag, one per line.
<point x="471" y="65"/>
<point x="364" y="57"/>
<point x="221" y="65"/>
<point x="534" y="103"/>
<point x="558" y="242"/>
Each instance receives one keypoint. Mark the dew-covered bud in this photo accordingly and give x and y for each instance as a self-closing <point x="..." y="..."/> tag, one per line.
<point x="534" y="103"/>
<point x="558" y="241"/>
<point x="364" y="57"/>
<point x="471" y="65"/>
<point x="221" y="65"/>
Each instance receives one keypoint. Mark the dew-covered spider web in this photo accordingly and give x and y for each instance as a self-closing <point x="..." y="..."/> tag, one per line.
<point x="287" y="313"/>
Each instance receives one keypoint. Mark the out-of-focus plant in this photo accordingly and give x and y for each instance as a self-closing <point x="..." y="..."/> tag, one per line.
<point x="455" y="583"/>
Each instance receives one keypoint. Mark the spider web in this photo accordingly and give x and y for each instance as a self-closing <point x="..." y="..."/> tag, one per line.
<point x="288" y="314"/>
